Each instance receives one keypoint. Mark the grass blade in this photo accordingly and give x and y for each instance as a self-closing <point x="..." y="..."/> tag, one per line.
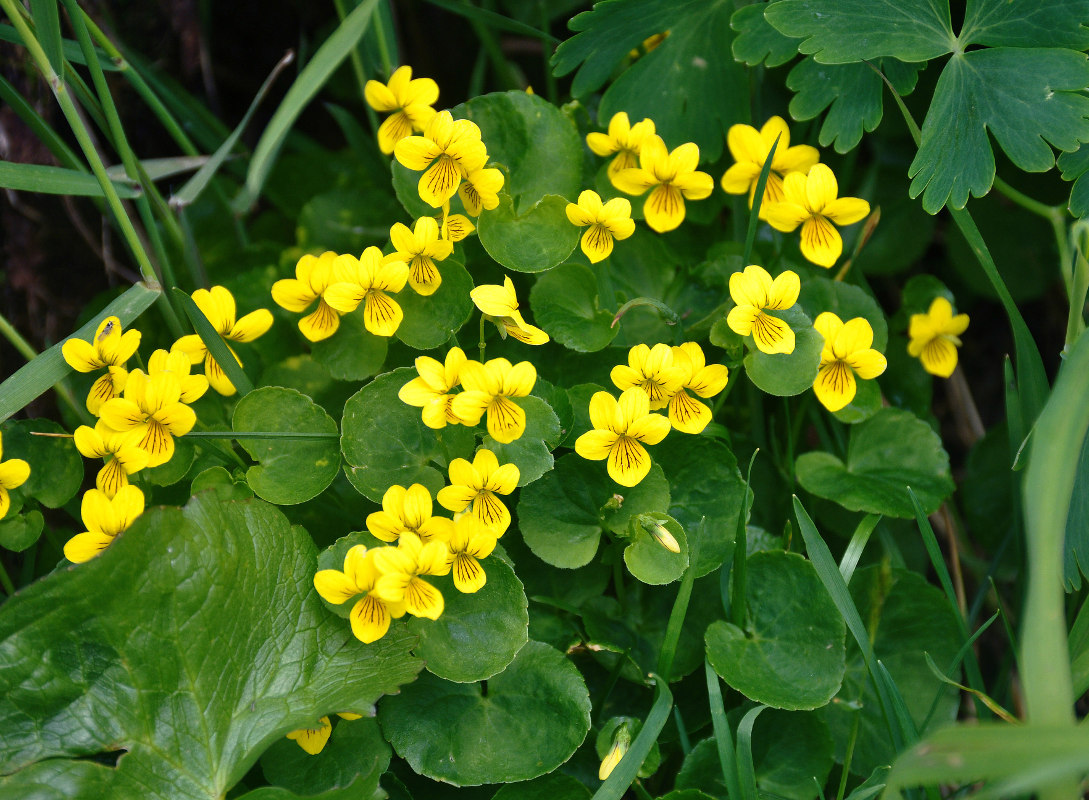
<point x="724" y="740"/>
<point x="46" y="17"/>
<point x="680" y="605"/>
<point x="998" y="710"/>
<point x="70" y="50"/>
<point x="857" y="544"/>
<point x="625" y="772"/>
<point x="58" y="180"/>
<point x="745" y="768"/>
<point x="757" y="199"/>
<point x="493" y="20"/>
<point x="215" y="344"/>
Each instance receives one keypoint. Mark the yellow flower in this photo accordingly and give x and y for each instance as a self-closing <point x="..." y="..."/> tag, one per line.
<point x="753" y="291"/>
<point x="410" y="101"/>
<point x="13" y="474"/>
<point x="449" y="150"/>
<point x="313" y="275"/>
<point x="105" y="519"/>
<point x="480" y="189"/>
<point x="366" y="280"/>
<point x="847" y="350"/>
<point x="624" y="139"/>
<point x="607" y="221"/>
<point x="420" y="248"/>
<point x="501" y="303"/>
<point x="686" y="413"/>
<point x="408" y="511"/>
<point x="620" y="431"/>
<point x="652" y="370"/>
<point x="108" y="348"/>
<point x="453" y="227"/>
<point x="750" y="150"/>
<point x="370" y="616"/>
<point x="177" y="363"/>
<point x="472" y="540"/>
<point x="478" y="483"/>
<point x="122" y="453"/>
<point x="313" y="740"/>
<point x="433" y="389"/>
<point x="671" y="177"/>
<point x="489" y="387"/>
<point x="812" y="201"/>
<point x="935" y="337"/>
<point x="151" y="408"/>
<point x="219" y="307"/>
<point x="401" y="568"/>
<point x="621" y="745"/>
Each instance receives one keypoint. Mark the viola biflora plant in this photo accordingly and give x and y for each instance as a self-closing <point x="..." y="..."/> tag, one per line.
<point x="606" y="437"/>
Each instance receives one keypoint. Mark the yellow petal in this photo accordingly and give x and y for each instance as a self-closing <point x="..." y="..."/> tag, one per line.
<point x="939" y="357"/>
<point x="313" y="740"/>
<point x="846" y="210"/>
<point x="468" y="575"/>
<point x="321" y="324"/>
<point x="820" y="241"/>
<point x="629" y="462"/>
<point x="423" y="600"/>
<point x="784" y="290"/>
<point x="597" y="243"/>
<point x="394" y="128"/>
<point x="13" y="473"/>
<point x="416" y="152"/>
<point x="334" y="586"/>
<point x="687" y="414"/>
<point x="440" y="182"/>
<point x="664" y="208"/>
<point x="381" y="314"/>
<point x="254" y="324"/>
<point x="506" y="420"/>
<point x="820" y="188"/>
<point x="85" y="546"/>
<point x="772" y="335"/>
<point x="835" y="385"/>
<point x="370" y="619"/>
<point x="80" y="355"/>
<point x="595" y="445"/>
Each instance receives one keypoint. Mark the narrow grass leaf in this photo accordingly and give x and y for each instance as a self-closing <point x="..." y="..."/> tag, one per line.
<point x="58" y="180"/>
<point x="739" y="562"/>
<point x="724" y="740"/>
<point x="857" y="544"/>
<point x="49" y="367"/>
<point x="158" y="168"/>
<point x="37" y="124"/>
<point x="757" y="198"/>
<point x="493" y="20"/>
<point x="956" y="663"/>
<point x="983" y="698"/>
<point x="70" y="49"/>
<point x="745" y="768"/>
<point x="680" y="606"/>
<point x="215" y="344"/>
<point x="626" y="771"/>
<point x="46" y="16"/>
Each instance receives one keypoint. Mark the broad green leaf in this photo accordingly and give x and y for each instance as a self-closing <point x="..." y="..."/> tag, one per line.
<point x="791" y="654"/>
<point x="1075" y="166"/>
<point x="866" y="402"/>
<point x="355" y="751"/>
<point x="648" y="560"/>
<point x="365" y="787"/>
<point x="852" y="93"/>
<point x="1028" y="98"/>
<point x="695" y="55"/>
<point x="887" y="453"/>
<point x="553" y="786"/>
<point x="430" y="321"/>
<point x="478" y="634"/>
<point x="704" y="481"/>
<point x="32" y="380"/>
<point x="20" y="531"/>
<point x="566" y="305"/>
<point x="347" y="220"/>
<point x="757" y="42"/>
<point x="185" y="453"/>
<point x="532" y="451"/>
<point x="563" y="515"/>
<point x="218" y="480"/>
<point x="56" y="467"/>
<point x="385" y="441"/>
<point x="58" y="180"/>
<point x="1076" y="554"/>
<point x="846" y="31"/>
<point x="524" y="132"/>
<point x="846" y="302"/>
<point x="906" y="617"/>
<point x="528" y="721"/>
<point x="352" y="353"/>
<point x="201" y="642"/>
<point x="406" y="185"/>
<point x="289" y="471"/>
<point x="787" y="374"/>
<point x="534" y="241"/>
<point x="1026" y="23"/>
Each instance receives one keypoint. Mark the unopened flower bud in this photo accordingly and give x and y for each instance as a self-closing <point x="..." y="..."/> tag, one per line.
<point x="621" y="744"/>
<point x="661" y="535"/>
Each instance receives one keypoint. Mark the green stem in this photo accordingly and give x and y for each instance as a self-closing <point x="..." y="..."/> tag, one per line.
<point x="480" y="344"/>
<point x="680" y="606"/>
<point x="8" y="331"/>
<point x="359" y="70"/>
<point x="5" y="581"/>
<point x="383" y="48"/>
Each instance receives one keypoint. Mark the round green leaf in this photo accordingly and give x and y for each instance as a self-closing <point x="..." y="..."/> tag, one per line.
<point x="185" y="453"/>
<point x="887" y="453"/>
<point x="352" y="353"/>
<point x="647" y="559"/>
<point x="532" y="451"/>
<point x="565" y="303"/>
<point x="19" y="532"/>
<point x="846" y="302"/>
<point x="406" y="185"/>
<point x="220" y="481"/>
<point x="346" y="220"/>
<point x="537" y="239"/>
<point x="553" y="786"/>
<point x="786" y="375"/>
<point x="704" y="481"/>
<point x="430" y="321"/>
<point x="355" y="748"/>
<point x="289" y="471"/>
<point x="478" y="634"/>
<point x="865" y="403"/>
<point x="792" y="653"/>
<point x="56" y="467"/>
<point x="528" y="720"/>
<point x="563" y="515"/>
<point x="385" y="441"/>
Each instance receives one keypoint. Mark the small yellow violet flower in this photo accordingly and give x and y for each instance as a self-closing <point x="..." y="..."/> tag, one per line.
<point x="313" y="275"/>
<point x="477" y="484"/>
<point x="313" y="740"/>
<point x="177" y="363"/>
<point x="750" y="149"/>
<point x="623" y="139"/>
<point x="420" y="248"/>
<point x="489" y="387"/>
<point x="218" y="306"/>
<point x="670" y="176"/>
<point x="753" y="290"/>
<point x="433" y="389"/>
<point x="620" y="747"/>
<point x="370" y="616"/>
<point x="620" y="431"/>
<point x="106" y="518"/>
<point x="123" y="455"/>
<point x="408" y="511"/>
<point x="480" y="190"/>
<point x="608" y="221"/>
<point x="13" y="474"/>
<point x="453" y="227"/>
<point x="472" y="540"/>
<point x="401" y="568"/>
<point x="152" y="407"/>
<point x="813" y="202"/>
<point x="409" y="99"/>
<point x="366" y="280"/>
<point x="650" y="369"/>
<point x="108" y="348"/>
<point x="935" y="337"/>
<point x="686" y="413"/>
<point x="449" y="150"/>
<point x="847" y="351"/>
<point x="501" y="303"/>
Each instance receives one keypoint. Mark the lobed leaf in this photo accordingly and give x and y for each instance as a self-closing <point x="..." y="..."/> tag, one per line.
<point x="757" y="42"/>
